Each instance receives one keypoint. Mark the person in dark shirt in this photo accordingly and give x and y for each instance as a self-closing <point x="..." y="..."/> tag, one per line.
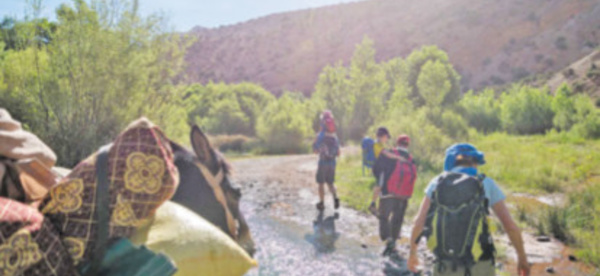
<point x="394" y="200"/>
<point x="328" y="147"/>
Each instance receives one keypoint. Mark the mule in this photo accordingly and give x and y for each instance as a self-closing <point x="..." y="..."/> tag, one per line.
<point x="205" y="188"/>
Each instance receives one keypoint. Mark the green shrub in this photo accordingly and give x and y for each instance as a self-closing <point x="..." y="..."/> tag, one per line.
<point x="283" y="126"/>
<point x="481" y="111"/>
<point x="526" y="110"/>
<point x="585" y="205"/>
<point x="563" y="105"/>
<point x="227" y="108"/>
<point x="561" y="43"/>
<point x="428" y="142"/>
<point x="557" y="221"/>
<point x="450" y="123"/>
<point x="226" y="117"/>
<point x="588" y="118"/>
<point x="235" y="143"/>
<point x="589" y="127"/>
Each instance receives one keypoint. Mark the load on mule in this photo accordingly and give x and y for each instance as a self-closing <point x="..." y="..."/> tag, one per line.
<point x="62" y="238"/>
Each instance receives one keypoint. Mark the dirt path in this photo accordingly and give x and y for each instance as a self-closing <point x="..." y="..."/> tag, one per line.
<point x="293" y="238"/>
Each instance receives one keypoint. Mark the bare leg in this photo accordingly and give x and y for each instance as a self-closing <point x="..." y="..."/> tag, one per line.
<point x="376" y="192"/>
<point x="332" y="190"/>
<point x="321" y="192"/>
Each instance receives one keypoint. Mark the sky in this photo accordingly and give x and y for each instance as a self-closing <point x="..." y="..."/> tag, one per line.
<point x="186" y="14"/>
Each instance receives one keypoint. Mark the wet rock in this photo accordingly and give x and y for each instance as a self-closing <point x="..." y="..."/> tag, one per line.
<point x="543" y="239"/>
<point x="363" y="246"/>
<point x="572" y="258"/>
<point x="550" y="270"/>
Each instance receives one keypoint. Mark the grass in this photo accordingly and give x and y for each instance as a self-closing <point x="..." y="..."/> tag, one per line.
<point x="554" y="163"/>
<point x="537" y="165"/>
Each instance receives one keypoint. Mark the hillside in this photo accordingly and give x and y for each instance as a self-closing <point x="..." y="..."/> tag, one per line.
<point x="490" y="42"/>
<point x="583" y="75"/>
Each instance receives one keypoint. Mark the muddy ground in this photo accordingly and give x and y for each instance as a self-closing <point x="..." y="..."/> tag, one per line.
<point x="293" y="238"/>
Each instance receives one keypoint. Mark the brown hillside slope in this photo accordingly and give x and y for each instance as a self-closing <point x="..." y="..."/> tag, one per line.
<point x="490" y="42"/>
<point x="583" y="75"/>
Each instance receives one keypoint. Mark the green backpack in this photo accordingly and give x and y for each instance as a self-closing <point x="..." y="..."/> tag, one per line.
<point x="457" y="225"/>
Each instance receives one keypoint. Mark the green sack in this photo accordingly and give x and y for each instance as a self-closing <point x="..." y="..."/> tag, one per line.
<point x="125" y="259"/>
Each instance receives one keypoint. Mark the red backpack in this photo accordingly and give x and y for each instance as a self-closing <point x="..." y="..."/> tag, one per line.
<point x="402" y="181"/>
<point x="329" y="124"/>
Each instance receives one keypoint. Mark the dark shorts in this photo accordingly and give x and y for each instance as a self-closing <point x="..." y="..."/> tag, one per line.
<point x="325" y="174"/>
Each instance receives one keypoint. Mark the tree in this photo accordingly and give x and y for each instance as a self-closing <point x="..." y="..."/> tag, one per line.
<point x="563" y="106"/>
<point x="396" y="72"/>
<point x="282" y="126"/>
<point x="332" y="91"/>
<point x="481" y="111"/>
<point x="526" y="110"/>
<point x="101" y="67"/>
<point x="433" y="83"/>
<point x="227" y="117"/>
<point x="417" y="59"/>
<point x="208" y="106"/>
<point x="369" y="86"/>
<point x="587" y="118"/>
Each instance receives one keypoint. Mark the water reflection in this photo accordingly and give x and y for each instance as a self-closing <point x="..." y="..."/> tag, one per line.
<point x="324" y="234"/>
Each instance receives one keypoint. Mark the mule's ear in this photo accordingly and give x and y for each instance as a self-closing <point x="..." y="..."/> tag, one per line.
<point x="201" y="146"/>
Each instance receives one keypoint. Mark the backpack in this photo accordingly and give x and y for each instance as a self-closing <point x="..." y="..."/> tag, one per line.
<point x="328" y="148"/>
<point x="368" y="152"/>
<point x="329" y="125"/>
<point x="402" y="180"/>
<point x="457" y="225"/>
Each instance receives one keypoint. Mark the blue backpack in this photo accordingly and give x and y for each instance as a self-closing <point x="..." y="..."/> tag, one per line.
<point x="368" y="152"/>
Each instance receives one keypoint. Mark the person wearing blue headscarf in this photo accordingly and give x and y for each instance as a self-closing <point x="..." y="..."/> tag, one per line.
<point x="462" y="150"/>
<point x="466" y="159"/>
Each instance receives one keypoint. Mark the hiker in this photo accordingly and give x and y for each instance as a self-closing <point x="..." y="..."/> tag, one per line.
<point x="396" y="180"/>
<point x="454" y="218"/>
<point x="371" y="151"/>
<point x="372" y="148"/>
<point x="328" y="147"/>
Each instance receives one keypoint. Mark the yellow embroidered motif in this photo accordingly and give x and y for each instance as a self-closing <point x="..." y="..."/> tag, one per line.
<point x="144" y="173"/>
<point x="76" y="247"/>
<point x="65" y="197"/>
<point x="18" y="253"/>
<point x="123" y="214"/>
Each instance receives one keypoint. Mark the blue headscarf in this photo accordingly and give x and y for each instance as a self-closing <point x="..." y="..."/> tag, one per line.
<point x="464" y="150"/>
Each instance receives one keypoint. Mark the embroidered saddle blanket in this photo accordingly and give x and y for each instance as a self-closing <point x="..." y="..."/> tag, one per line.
<point x="141" y="176"/>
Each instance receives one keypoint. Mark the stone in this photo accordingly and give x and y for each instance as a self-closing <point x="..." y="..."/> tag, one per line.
<point x="543" y="239"/>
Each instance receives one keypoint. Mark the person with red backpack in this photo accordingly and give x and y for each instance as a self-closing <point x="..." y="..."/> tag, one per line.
<point x="396" y="178"/>
<point x="328" y="147"/>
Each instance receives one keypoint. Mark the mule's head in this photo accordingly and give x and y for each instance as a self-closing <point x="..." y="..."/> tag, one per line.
<point x="205" y="188"/>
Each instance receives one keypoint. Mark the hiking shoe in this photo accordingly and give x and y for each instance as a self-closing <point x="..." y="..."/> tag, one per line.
<point x="390" y="249"/>
<point x="336" y="203"/>
<point x="320" y="206"/>
<point x="373" y="209"/>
